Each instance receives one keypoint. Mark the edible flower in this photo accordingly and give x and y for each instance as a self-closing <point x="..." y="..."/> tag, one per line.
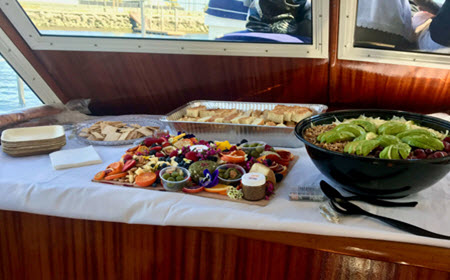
<point x="210" y="180"/>
<point x="223" y="145"/>
<point x="270" y="189"/>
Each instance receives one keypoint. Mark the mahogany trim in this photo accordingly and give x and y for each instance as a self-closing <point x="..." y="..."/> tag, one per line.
<point x="387" y="251"/>
<point x="51" y="235"/>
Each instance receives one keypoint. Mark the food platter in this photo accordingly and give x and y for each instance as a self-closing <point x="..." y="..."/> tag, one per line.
<point x="277" y="136"/>
<point x="128" y="120"/>
<point x="210" y="169"/>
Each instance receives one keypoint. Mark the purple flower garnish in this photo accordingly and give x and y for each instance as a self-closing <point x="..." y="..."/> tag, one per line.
<point x="209" y="180"/>
<point x="270" y="189"/>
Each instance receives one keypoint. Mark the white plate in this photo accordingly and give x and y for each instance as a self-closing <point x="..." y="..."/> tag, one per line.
<point x="34" y="133"/>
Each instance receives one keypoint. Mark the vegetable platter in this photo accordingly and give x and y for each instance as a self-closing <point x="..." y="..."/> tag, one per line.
<point x="213" y="169"/>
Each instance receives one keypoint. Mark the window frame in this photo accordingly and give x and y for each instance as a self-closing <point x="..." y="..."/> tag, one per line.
<point x="25" y="70"/>
<point x="318" y="48"/>
<point x="347" y="50"/>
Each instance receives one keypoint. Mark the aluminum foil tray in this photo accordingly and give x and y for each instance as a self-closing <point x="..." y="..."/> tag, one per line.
<point x="274" y="136"/>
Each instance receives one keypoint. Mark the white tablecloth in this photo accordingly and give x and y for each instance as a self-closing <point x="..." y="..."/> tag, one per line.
<point x="30" y="184"/>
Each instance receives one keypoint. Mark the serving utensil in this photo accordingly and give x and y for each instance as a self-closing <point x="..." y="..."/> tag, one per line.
<point x="345" y="207"/>
<point x="329" y="191"/>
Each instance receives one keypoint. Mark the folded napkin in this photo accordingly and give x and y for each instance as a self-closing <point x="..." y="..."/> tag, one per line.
<point x="74" y="158"/>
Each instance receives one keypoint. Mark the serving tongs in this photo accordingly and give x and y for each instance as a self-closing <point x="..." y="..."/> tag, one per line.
<point x="345" y="207"/>
<point x="328" y="190"/>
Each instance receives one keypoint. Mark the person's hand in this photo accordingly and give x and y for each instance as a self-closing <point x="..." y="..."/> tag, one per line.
<point x="420" y="19"/>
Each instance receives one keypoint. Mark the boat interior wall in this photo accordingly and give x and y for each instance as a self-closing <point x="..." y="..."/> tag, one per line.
<point x="119" y="83"/>
<point x="127" y="82"/>
<point x="53" y="248"/>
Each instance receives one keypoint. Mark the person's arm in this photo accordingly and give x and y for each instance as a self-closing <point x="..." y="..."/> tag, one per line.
<point x="440" y="26"/>
<point x="427" y="5"/>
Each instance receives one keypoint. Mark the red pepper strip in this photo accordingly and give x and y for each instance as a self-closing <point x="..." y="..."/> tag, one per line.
<point x="156" y="148"/>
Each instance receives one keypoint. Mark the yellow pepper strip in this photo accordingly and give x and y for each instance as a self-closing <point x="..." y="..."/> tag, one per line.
<point x="176" y="138"/>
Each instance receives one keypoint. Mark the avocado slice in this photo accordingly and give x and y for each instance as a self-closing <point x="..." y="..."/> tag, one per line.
<point x="322" y="136"/>
<point x="338" y="136"/>
<point x="365" y="147"/>
<point x="396" y="151"/>
<point x="416" y="131"/>
<point x="424" y="142"/>
<point x="367" y="125"/>
<point x="356" y="130"/>
<point x="392" y="128"/>
<point x="387" y="140"/>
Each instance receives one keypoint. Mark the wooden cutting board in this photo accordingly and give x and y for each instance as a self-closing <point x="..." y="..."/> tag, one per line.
<point x="262" y="202"/>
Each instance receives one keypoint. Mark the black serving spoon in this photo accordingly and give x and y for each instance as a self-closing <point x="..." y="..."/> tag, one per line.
<point x="347" y="208"/>
<point x="329" y="191"/>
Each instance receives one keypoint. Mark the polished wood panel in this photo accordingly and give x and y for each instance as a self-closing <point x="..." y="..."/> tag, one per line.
<point x="372" y="85"/>
<point x="356" y="84"/>
<point x="42" y="247"/>
<point x="158" y="83"/>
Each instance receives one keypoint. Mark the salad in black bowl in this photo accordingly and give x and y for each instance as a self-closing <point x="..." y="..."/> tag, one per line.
<point x="379" y="153"/>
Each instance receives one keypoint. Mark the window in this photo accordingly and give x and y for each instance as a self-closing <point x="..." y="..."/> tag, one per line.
<point x="409" y="32"/>
<point x="289" y="28"/>
<point x="223" y="20"/>
<point x="415" y="25"/>
<point x="14" y="93"/>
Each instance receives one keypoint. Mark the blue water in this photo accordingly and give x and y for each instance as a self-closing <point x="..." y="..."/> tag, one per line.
<point x="9" y="99"/>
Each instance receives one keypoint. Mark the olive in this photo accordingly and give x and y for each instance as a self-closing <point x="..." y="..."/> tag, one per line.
<point x="179" y="178"/>
<point x="166" y="176"/>
<point x="278" y="177"/>
<point x="171" y="179"/>
<point x="254" y="154"/>
<point x="259" y="149"/>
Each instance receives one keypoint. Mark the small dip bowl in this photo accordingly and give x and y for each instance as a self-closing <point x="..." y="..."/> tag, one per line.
<point x="231" y="182"/>
<point x="170" y="182"/>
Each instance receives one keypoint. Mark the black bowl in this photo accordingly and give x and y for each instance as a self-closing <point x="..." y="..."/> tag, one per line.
<point x="373" y="176"/>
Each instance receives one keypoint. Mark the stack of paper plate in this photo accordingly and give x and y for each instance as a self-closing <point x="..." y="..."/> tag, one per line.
<point x="33" y="140"/>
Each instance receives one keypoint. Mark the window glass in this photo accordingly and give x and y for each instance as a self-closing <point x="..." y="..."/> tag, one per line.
<point x="273" y="21"/>
<point x="406" y="25"/>
<point x="14" y="93"/>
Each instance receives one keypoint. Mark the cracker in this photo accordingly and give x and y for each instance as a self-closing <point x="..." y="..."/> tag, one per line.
<point x="124" y="136"/>
<point x="135" y="125"/>
<point x="98" y="136"/>
<point x="145" y="131"/>
<point x="112" y="136"/>
<point x="116" y="131"/>
<point x="108" y="129"/>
